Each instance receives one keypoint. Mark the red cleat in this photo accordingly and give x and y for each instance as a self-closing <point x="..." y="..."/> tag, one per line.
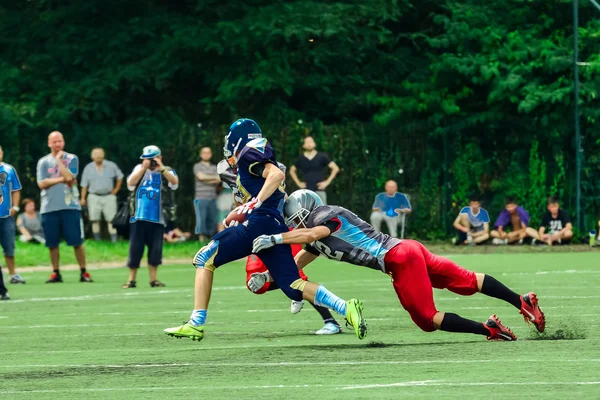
<point x="85" y="277"/>
<point x="532" y="312"/>
<point x="498" y="331"/>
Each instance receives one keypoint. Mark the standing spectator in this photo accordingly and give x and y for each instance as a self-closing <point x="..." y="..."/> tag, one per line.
<point x="60" y="209"/>
<point x="29" y="224"/>
<point x="102" y="179"/>
<point x="513" y="217"/>
<point x="556" y="222"/>
<point x="472" y="223"/>
<point x="311" y="165"/>
<point x="10" y="194"/>
<point x="391" y="207"/>
<point x="225" y="200"/>
<point x="205" y="202"/>
<point x="151" y="183"/>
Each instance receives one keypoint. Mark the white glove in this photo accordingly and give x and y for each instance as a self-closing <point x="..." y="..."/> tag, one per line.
<point x="264" y="242"/>
<point x="249" y="206"/>
<point x="257" y="281"/>
<point x="233" y="223"/>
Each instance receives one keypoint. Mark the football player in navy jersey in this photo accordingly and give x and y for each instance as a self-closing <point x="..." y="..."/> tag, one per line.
<point x="255" y="265"/>
<point x="339" y="234"/>
<point x="259" y="184"/>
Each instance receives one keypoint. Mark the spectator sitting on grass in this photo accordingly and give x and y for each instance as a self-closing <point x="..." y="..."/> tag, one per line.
<point x="556" y="222"/>
<point x="173" y="234"/>
<point x="514" y="217"/>
<point x="472" y="223"/>
<point x="29" y="224"/>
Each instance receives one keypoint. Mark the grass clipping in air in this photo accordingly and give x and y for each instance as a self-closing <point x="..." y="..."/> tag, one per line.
<point x="562" y="331"/>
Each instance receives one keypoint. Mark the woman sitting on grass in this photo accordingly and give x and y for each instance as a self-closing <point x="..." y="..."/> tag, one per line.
<point x="30" y="224"/>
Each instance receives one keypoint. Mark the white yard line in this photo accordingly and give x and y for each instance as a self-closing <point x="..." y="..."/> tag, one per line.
<point x="332" y="386"/>
<point x="301" y="363"/>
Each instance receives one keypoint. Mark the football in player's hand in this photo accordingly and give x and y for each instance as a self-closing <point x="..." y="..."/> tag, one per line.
<point x="234" y="218"/>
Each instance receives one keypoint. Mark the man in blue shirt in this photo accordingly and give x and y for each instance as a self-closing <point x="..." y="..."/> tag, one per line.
<point x="151" y="182"/>
<point x="472" y="223"/>
<point x="391" y="207"/>
<point x="9" y="198"/>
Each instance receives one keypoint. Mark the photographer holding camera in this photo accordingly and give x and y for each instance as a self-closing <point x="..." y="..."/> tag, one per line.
<point x="152" y="206"/>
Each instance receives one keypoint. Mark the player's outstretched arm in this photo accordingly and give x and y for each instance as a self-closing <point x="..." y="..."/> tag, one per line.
<point x="297" y="236"/>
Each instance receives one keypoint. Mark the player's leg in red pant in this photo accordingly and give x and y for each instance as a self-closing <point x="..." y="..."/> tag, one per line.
<point x="406" y="264"/>
<point x="255" y="265"/>
<point x="446" y="274"/>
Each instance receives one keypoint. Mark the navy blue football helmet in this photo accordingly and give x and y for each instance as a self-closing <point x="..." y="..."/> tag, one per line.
<point x="240" y="133"/>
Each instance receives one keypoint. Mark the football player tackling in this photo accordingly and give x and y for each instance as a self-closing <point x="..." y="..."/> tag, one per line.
<point x="259" y="182"/>
<point x="339" y="234"/>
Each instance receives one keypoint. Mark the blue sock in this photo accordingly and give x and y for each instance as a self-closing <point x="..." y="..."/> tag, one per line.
<point x="325" y="298"/>
<point x="198" y="317"/>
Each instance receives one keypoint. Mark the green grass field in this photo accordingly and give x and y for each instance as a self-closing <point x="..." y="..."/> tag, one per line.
<point x="98" y="341"/>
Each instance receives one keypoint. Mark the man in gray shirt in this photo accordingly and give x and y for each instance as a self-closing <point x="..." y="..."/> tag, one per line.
<point x="60" y="209"/>
<point x="205" y="202"/>
<point x="102" y="179"/>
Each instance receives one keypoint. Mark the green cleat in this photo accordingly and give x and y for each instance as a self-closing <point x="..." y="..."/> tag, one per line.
<point x="355" y="318"/>
<point x="187" y="330"/>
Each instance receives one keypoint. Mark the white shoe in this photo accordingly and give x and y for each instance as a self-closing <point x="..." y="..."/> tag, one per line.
<point x="296" y="306"/>
<point x="329" y="329"/>
<point x="499" y="241"/>
<point x="16" y="278"/>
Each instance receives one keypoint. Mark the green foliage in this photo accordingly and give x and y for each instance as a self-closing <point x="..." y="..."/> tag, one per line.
<point x="378" y="83"/>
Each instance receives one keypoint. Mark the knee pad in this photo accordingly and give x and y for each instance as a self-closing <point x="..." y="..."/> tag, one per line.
<point x="292" y="292"/>
<point x="205" y="257"/>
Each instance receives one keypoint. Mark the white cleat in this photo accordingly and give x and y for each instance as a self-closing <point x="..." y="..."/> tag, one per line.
<point x="329" y="329"/>
<point x="296" y="306"/>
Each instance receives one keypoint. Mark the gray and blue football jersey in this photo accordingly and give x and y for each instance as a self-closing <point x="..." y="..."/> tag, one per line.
<point x="354" y="241"/>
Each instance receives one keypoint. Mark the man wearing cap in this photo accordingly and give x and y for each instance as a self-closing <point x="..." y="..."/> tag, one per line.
<point x="152" y="183"/>
<point x="60" y="209"/>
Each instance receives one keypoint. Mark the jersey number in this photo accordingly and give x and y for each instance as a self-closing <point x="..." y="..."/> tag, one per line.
<point x="324" y="249"/>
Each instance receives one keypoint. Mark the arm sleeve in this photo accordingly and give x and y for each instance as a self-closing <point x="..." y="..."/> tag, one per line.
<point x="118" y="172"/>
<point x="16" y="184"/>
<point x="485" y="217"/>
<point x="41" y="172"/>
<point x="545" y="220"/>
<point x="312" y="250"/>
<point x="378" y="203"/>
<point x="136" y="169"/>
<point x="326" y="159"/>
<point x="74" y="166"/>
<point x="172" y="172"/>
<point x="403" y="200"/>
<point x="84" y="177"/>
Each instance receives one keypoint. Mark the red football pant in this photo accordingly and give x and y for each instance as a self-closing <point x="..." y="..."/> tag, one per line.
<point x="415" y="271"/>
<point x="254" y="265"/>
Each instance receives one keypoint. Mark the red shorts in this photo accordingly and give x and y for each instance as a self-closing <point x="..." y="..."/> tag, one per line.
<point x="254" y="264"/>
<point x="415" y="271"/>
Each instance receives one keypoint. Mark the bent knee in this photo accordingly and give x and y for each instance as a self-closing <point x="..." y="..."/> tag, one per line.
<point x="205" y="257"/>
<point x="423" y="321"/>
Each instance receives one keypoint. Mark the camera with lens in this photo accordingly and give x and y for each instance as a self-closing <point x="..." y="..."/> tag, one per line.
<point x="153" y="163"/>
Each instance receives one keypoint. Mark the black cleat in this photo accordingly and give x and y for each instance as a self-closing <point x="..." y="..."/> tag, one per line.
<point x="55" y="278"/>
